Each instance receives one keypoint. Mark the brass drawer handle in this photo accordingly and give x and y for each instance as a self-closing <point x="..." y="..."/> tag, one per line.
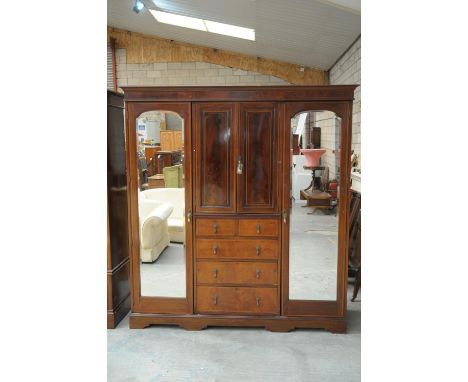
<point x="215" y="227"/>
<point x="258" y="227"/>
<point x="240" y="165"/>
<point x="257" y="273"/>
<point x="258" y="301"/>
<point x="257" y="250"/>
<point x="215" y="273"/>
<point x="215" y="300"/>
<point x="215" y="250"/>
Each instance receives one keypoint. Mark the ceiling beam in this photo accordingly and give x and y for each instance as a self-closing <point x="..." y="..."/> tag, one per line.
<point x="143" y="48"/>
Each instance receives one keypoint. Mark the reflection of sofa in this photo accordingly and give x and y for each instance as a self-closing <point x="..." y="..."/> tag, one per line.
<point x="175" y="197"/>
<point x="154" y="234"/>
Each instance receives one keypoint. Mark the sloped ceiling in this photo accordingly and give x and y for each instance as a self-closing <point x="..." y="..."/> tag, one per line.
<point x="311" y="33"/>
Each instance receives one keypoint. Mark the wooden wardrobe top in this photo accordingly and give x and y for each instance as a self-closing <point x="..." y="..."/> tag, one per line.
<point x="240" y="93"/>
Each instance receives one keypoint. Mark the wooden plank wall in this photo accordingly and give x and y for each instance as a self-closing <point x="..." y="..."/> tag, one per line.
<point x="148" y="49"/>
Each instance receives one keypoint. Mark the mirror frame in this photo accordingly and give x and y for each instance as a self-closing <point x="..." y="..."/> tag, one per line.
<point x="331" y="308"/>
<point x="159" y="304"/>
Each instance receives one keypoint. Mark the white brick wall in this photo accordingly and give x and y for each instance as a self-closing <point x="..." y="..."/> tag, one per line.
<point x="186" y="73"/>
<point x="329" y="140"/>
<point x="347" y="71"/>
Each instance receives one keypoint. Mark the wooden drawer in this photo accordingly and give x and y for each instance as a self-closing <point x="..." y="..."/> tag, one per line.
<point x="215" y="227"/>
<point x="237" y="300"/>
<point x="227" y="272"/>
<point x="238" y="249"/>
<point x="259" y="227"/>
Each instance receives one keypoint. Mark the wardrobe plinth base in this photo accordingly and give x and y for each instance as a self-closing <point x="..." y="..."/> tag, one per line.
<point x="273" y="324"/>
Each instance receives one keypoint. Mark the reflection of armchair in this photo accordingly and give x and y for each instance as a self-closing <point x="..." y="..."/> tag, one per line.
<point x="176" y="220"/>
<point x="154" y="234"/>
<point x="173" y="176"/>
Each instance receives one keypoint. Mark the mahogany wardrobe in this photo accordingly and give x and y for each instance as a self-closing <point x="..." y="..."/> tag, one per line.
<point x="240" y="231"/>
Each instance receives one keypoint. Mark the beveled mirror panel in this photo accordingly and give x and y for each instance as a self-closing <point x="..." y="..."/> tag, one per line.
<point x="315" y="178"/>
<point x="161" y="204"/>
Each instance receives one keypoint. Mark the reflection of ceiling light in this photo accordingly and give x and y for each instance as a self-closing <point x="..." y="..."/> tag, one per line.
<point x="138" y="6"/>
<point x="204" y="25"/>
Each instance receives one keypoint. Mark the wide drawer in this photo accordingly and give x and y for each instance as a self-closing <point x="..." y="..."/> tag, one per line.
<point x="237" y="300"/>
<point x="215" y="227"/>
<point x="258" y="227"/>
<point x="235" y="272"/>
<point x="238" y="249"/>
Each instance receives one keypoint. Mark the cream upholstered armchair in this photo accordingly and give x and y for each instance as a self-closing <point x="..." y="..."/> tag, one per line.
<point x="176" y="220"/>
<point x="154" y="234"/>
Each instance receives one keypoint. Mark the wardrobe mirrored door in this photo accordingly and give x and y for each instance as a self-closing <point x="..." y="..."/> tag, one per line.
<point x="161" y="204"/>
<point x="315" y="178"/>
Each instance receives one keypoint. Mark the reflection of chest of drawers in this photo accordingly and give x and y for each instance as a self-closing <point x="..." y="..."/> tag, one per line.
<point x="237" y="265"/>
<point x="171" y="140"/>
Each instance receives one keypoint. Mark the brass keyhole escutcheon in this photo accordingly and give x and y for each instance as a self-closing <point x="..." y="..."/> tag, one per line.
<point x="258" y="227"/>
<point x="215" y="300"/>
<point x="258" y="301"/>
<point x="215" y="250"/>
<point x="215" y="273"/>
<point x="257" y="273"/>
<point x="215" y="227"/>
<point x="257" y="250"/>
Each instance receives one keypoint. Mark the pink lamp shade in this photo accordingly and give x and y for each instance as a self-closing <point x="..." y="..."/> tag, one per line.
<point x="313" y="156"/>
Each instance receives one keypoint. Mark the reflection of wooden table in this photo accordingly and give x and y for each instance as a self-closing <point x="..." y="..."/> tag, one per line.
<point x="315" y="182"/>
<point x="317" y="199"/>
<point x="156" y="181"/>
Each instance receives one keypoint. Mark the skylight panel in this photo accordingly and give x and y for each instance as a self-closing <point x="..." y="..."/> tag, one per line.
<point x="178" y="20"/>
<point x="204" y="25"/>
<point x="230" y="30"/>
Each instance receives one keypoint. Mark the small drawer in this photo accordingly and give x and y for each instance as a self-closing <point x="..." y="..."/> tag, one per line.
<point x="237" y="300"/>
<point x="215" y="227"/>
<point x="258" y="227"/>
<point x="237" y="249"/>
<point x="215" y="248"/>
<point x="252" y="273"/>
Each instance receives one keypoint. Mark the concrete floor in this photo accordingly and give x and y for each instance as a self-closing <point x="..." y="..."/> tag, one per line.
<point x="166" y="275"/>
<point x="313" y="254"/>
<point x="165" y="353"/>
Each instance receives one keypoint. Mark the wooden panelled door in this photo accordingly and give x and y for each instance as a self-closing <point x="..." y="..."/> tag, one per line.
<point x="215" y="173"/>
<point x="236" y="157"/>
<point x="257" y="157"/>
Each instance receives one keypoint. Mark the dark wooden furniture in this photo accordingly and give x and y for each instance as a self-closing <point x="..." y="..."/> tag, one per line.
<point x="296" y="150"/>
<point x="150" y="152"/>
<point x="156" y="181"/>
<point x="118" y="264"/>
<point x="166" y="159"/>
<point x="237" y="161"/>
<point x="355" y="241"/>
<point x="316" y="137"/>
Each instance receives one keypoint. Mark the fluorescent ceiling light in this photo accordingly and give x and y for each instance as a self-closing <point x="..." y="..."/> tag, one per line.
<point x="204" y="25"/>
